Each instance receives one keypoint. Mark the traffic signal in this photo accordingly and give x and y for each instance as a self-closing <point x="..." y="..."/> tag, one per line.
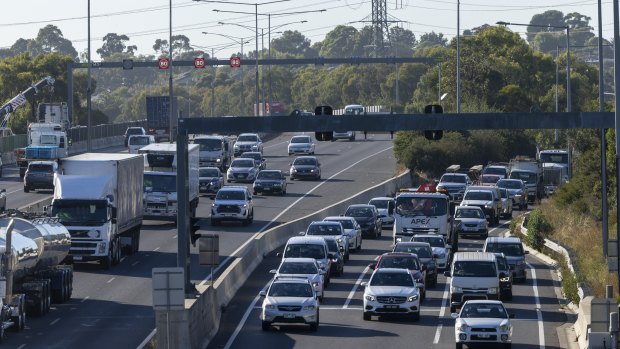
<point x="433" y="135"/>
<point x="193" y="229"/>
<point x="324" y="110"/>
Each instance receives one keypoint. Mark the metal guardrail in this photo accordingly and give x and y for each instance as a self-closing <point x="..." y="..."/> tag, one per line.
<point x="8" y="143"/>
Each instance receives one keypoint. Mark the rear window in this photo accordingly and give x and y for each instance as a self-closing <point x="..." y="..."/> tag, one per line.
<point x="139" y="140"/>
<point x="474" y="269"/>
<point x="40" y="168"/>
<point x="134" y="131"/>
<point x="304" y="251"/>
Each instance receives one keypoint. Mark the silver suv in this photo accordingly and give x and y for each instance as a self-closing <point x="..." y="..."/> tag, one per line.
<point x="232" y="203"/>
<point x="248" y="142"/>
<point x="290" y="300"/>
<point x="487" y="198"/>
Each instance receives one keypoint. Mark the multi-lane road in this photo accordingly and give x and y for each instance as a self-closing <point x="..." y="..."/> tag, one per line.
<point x="113" y="308"/>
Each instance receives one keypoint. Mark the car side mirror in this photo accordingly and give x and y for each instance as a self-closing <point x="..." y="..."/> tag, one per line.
<point x="3" y="191"/>
<point x="302" y="233"/>
<point x="454" y="315"/>
<point x="341" y="249"/>
<point x="449" y="247"/>
<point x="372" y="266"/>
<point x="446" y="273"/>
<point x="364" y="284"/>
<point x="273" y="271"/>
<point x="435" y="256"/>
<point x="262" y="293"/>
<point x="424" y="267"/>
<point x="330" y="256"/>
<point x="322" y="271"/>
<point x="279" y="254"/>
<point x="526" y="252"/>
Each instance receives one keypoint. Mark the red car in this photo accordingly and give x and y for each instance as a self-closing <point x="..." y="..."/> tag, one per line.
<point x="404" y="260"/>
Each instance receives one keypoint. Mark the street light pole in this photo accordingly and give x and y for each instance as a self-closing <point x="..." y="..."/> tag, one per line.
<point x="601" y="108"/>
<point x="262" y="78"/>
<point x="88" y="90"/>
<point x="256" y="32"/>
<point x="269" y="56"/>
<point x="213" y="87"/>
<point x="569" y="105"/>
<point x="557" y="82"/>
<point x="242" y="102"/>
<point x="458" y="56"/>
<point x="617" y="114"/>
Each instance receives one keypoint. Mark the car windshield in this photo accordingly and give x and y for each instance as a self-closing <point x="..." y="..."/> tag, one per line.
<point x="489" y="179"/>
<point x="242" y="163"/>
<point x="160" y="184"/>
<point x="300" y="140"/>
<point x="346" y="224"/>
<point x="40" y="168"/>
<point x="504" y="193"/>
<point x="508" y="184"/>
<point x="134" y="131"/>
<point x="495" y="171"/>
<point x="483" y="310"/>
<point x="247" y="138"/>
<point x="359" y="212"/>
<point x="474" y="269"/>
<point x="382" y="204"/>
<point x="305" y="161"/>
<point x="269" y="175"/>
<point x="507" y="249"/>
<point x="298" y="268"/>
<point x="304" y="251"/>
<point x="421" y="251"/>
<point x="501" y="263"/>
<point x="404" y="262"/>
<point x="255" y="156"/>
<point x="434" y="241"/>
<point x="453" y="179"/>
<point x="332" y="246"/>
<point x="230" y="195"/>
<point x="324" y="229"/>
<point x="282" y="289"/>
<point x="208" y="172"/>
<point x="139" y="140"/>
<point x="468" y="213"/>
<point x="206" y="144"/>
<point x="526" y="177"/>
<point x="391" y="279"/>
<point x="421" y="206"/>
<point x="478" y="196"/>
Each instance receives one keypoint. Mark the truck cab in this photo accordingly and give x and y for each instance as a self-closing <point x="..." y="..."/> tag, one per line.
<point x="214" y="151"/>
<point x="421" y="213"/>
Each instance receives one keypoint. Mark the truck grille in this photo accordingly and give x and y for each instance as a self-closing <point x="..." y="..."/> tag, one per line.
<point x="415" y="231"/>
<point x="391" y="300"/>
<point x="229" y="209"/>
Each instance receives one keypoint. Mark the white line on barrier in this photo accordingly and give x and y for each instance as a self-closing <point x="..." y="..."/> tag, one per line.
<point x="156" y="249"/>
<point x="268" y="224"/>
<point x="135" y="263"/>
<point x="244" y="319"/>
<point x="21" y="346"/>
<point x="112" y="279"/>
<point x="85" y="299"/>
<point x="541" y="327"/>
<point x="147" y="339"/>
<point x="54" y="322"/>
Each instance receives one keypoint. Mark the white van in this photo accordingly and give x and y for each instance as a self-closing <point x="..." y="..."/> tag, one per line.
<point x="309" y="247"/>
<point x="136" y="142"/>
<point x="473" y="275"/>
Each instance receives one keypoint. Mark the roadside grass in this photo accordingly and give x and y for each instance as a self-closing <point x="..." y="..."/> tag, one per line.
<point x="582" y="234"/>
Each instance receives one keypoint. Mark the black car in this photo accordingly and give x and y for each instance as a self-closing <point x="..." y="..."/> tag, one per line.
<point x="270" y="181"/>
<point x="306" y="167"/>
<point x="505" y="283"/>
<point x="133" y="131"/>
<point x="368" y="217"/>
<point x="210" y="180"/>
<point x="40" y="175"/>
<point x="336" y="249"/>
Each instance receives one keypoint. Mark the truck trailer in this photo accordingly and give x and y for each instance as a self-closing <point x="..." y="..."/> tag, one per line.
<point x="160" y="181"/>
<point x="98" y="197"/>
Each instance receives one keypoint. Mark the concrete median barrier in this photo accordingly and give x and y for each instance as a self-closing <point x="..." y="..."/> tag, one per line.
<point x="199" y="322"/>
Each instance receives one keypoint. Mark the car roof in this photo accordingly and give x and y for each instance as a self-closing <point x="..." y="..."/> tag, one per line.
<point x="469" y="208"/>
<point x="474" y="256"/>
<point x="208" y="168"/>
<point x="427" y="236"/>
<point x="484" y="301"/>
<point x="299" y="260"/>
<point x="234" y="187"/>
<point x="251" y="152"/>
<point x="312" y="239"/>
<point x="325" y="223"/>
<point x="413" y="243"/>
<point x="399" y="254"/>
<point x="392" y="270"/>
<point x="361" y="206"/>
<point x="249" y="134"/>
<point x="386" y="198"/>
<point x="504" y="240"/>
<point x="279" y="171"/>
<point x="300" y="136"/>
<point x="284" y="279"/>
<point x="42" y="163"/>
<point x="305" y="157"/>
<point x="340" y="218"/>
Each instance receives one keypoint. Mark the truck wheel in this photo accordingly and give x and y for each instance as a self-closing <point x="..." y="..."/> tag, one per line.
<point x="106" y="262"/>
<point x="26" y="189"/>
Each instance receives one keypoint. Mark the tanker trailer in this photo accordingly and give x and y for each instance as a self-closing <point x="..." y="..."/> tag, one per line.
<point x="31" y="274"/>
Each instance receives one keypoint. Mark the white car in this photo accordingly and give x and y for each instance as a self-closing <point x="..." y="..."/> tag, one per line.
<point x="307" y="268"/>
<point x="301" y="144"/>
<point x="242" y="170"/>
<point x="391" y="291"/>
<point x="232" y="203"/>
<point x="351" y="228"/>
<point x="483" y="321"/>
<point x="247" y="142"/>
<point x="290" y="300"/>
<point x="385" y="206"/>
<point x="335" y="229"/>
<point x="439" y="246"/>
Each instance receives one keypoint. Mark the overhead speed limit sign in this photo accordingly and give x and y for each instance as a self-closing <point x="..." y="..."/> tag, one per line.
<point x="199" y="62"/>
<point x="235" y="62"/>
<point x="163" y="63"/>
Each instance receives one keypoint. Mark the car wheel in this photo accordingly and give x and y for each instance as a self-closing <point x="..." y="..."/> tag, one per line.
<point x="26" y="189"/>
<point x="366" y="316"/>
<point x="507" y="345"/>
<point x="359" y="246"/>
<point x="215" y="222"/>
<point x="459" y="345"/>
<point x="433" y="282"/>
<point x="509" y="215"/>
<point x="526" y="204"/>
<point x="266" y="326"/>
<point x="423" y="297"/>
<point x="509" y="295"/>
<point x="315" y="326"/>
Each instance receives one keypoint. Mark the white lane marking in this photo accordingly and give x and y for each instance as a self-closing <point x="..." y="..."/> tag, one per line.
<point x="174" y="237"/>
<point x="244" y="319"/>
<point x="442" y="312"/>
<point x="268" y="224"/>
<point x="112" y="279"/>
<point x="85" y="299"/>
<point x="541" y="327"/>
<point x="21" y="346"/>
<point x="147" y="339"/>
<point x="354" y="289"/>
<point x="54" y="322"/>
<point x="156" y="249"/>
<point x="135" y="263"/>
<point x="274" y="145"/>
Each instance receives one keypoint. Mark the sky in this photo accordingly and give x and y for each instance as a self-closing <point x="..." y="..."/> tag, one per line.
<point x="145" y="21"/>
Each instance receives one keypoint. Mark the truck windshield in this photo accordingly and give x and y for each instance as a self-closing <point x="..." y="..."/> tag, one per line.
<point x="158" y="183"/>
<point x="421" y="206"/>
<point x="48" y="139"/>
<point x="453" y="179"/>
<point x="506" y="249"/>
<point x="139" y="140"/>
<point x="247" y="138"/>
<point x="474" y="269"/>
<point x="206" y="144"/>
<point x="558" y="158"/>
<point x="80" y="212"/>
<point x="526" y="177"/>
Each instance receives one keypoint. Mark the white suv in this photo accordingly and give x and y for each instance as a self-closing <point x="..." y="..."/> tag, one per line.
<point x="232" y="203"/>
<point x="391" y="291"/>
<point x="290" y="300"/>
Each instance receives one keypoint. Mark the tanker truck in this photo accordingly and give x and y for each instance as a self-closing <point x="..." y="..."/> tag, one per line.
<point x="31" y="274"/>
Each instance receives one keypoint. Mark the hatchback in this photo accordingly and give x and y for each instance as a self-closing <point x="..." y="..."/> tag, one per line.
<point x="40" y="175"/>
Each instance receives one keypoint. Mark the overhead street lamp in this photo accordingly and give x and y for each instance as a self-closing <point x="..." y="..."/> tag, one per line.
<point x="241" y="42"/>
<point x="569" y="107"/>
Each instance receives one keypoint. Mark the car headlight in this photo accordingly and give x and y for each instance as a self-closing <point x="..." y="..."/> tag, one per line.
<point x="309" y="307"/>
<point x="412" y="298"/>
<point x="506" y="279"/>
<point x="293" y="169"/>
<point x="442" y="255"/>
<point x="369" y="297"/>
<point x="270" y="306"/>
<point x="454" y="289"/>
<point x="313" y="170"/>
<point x="399" y="239"/>
<point x="488" y="204"/>
<point x="504" y="328"/>
<point x="315" y="284"/>
<point x="492" y="290"/>
<point x="462" y="327"/>
<point x="521" y="262"/>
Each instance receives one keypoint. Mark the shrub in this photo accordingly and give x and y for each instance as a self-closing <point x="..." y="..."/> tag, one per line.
<point x="538" y="228"/>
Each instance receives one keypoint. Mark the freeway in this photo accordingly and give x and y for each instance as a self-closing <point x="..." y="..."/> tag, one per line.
<point x="535" y="306"/>
<point x="113" y="308"/>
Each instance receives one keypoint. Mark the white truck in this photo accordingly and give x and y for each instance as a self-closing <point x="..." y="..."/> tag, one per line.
<point x="160" y="181"/>
<point x="46" y="141"/>
<point x="530" y="172"/>
<point x="214" y="151"/>
<point x="55" y="113"/>
<point x="555" y="168"/>
<point x="421" y="213"/>
<point x="32" y="275"/>
<point x="98" y="197"/>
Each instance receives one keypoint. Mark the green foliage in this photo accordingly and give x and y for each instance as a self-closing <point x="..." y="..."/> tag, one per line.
<point x="569" y="282"/>
<point x="538" y="228"/>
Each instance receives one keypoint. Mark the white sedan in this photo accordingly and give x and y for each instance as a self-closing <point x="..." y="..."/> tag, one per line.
<point x="351" y="228"/>
<point x="301" y="144"/>
<point x="439" y="246"/>
<point x="302" y="268"/>
<point x="483" y="321"/>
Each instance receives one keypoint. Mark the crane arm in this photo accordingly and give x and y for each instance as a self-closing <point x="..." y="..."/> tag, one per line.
<point x="22" y="98"/>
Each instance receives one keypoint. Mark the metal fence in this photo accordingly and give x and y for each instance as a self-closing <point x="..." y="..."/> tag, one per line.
<point x="8" y="143"/>
<point x="80" y="133"/>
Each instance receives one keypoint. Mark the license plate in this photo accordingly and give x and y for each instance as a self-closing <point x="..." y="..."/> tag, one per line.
<point x="391" y="307"/>
<point x="77" y="258"/>
<point x="203" y="187"/>
<point x="469" y="229"/>
<point x="289" y="316"/>
<point x="484" y="336"/>
<point x="266" y="189"/>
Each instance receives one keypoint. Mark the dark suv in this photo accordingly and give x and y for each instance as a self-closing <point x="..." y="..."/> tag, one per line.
<point x="133" y="131"/>
<point x="40" y="175"/>
<point x="367" y="216"/>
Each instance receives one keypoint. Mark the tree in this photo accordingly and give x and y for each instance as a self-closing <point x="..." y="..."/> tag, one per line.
<point x="550" y="19"/>
<point x="293" y="43"/>
<point x="340" y="42"/>
<point x="403" y="42"/>
<point x="50" y="39"/>
<point x="580" y="29"/>
<point x="114" y="43"/>
<point x="432" y="39"/>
